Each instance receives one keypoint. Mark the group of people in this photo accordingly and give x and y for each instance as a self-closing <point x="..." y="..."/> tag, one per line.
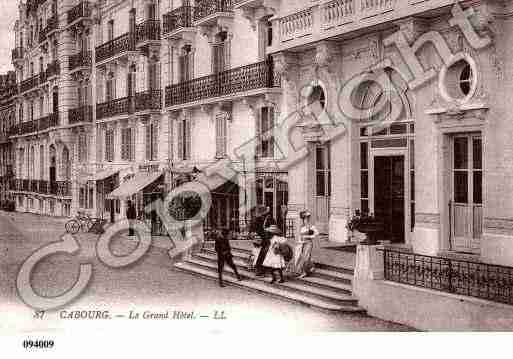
<point x="272" y="252"/>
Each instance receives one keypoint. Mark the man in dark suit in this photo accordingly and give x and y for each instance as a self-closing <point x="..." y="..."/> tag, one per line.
<point x="131" y="214"/>
<point x="224" y="254"/>
<point x="262" y="220"/>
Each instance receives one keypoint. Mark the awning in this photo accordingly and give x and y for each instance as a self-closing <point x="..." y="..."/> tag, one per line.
<point x="101" y="175"/>
<point x="213" y="181"/>
<point x="134" y="185"/>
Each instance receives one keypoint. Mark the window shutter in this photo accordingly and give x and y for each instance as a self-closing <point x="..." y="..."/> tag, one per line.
<point x="132" y="144"/>
<point x="270" y="113"/>
<point x="182" y="67"/>
<point x="154" y="142"/>
<point x="258" y="134"/>
<point x="179" y="139"/>
<point x="191" y="66"/>
<point x="148" y="142"/>
<point x="188" y="139"/>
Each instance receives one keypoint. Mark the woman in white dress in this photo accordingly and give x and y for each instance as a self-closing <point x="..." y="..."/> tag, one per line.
<point x="274" y="259"/>
<point x="308" y="234"/>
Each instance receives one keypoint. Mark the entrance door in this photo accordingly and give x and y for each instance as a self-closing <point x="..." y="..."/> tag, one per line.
<point x="389" y="196"/>
<point x="466" y="201"/>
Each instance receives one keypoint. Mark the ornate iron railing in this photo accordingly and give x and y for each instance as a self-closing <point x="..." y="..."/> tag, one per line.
<point x="9" y="91"/>
<point x="53" y="69"/>
<point x="177" y="18"/>
<point x="474" y="279"/>
<point x="120" y="44"/>
<point x="206" y="8"/>
<point x="81" y="59"/>
<point x="51" y="24"/>
<point x="25" y="185"/>
<point x="148" y="100"/>
<point x="63" y="188"/>
<point x="249" y="77"/>
<point x="29" y="83"/>
<point x="147" y="31"/>
<point x="51" y="120"/>
<point x="42" y="187"/>
<point x="112" y="108"/>
<point x="17" y="53"/>
<point x="80" y="114"/>
<point x="81" y="10"/>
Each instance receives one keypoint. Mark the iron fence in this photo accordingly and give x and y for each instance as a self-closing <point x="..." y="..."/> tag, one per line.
<point x="178" y="18"/>
<point x="474" y="279"/>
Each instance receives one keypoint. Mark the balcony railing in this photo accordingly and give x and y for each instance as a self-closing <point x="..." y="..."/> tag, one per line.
<point x="249" y="77"/>
<point x="81" y="59"/>
<point x="115" y="46"/>
<point x="42" y="187"/>
<point x="44" y="123"/>
<point x="53" y="69"/>
<point x="17" y="53"/>
<point x="475" y="279"/>
<point x="80" y="114"/>
<point x="148" y="100"/>
<point x="9" y="91"/>
<point x="178" y="18"/>
<point x="115" y="107"/>
<point x="148" y="31"/>
<point x="51" y="24"/>
<point x="81" y="10"/>
<point x="29" y="83"/>
<point x="206" y="8"/>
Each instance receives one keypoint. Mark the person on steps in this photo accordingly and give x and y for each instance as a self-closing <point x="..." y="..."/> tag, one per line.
<point x="274" y="259"/>
<point x="224" y="254"/>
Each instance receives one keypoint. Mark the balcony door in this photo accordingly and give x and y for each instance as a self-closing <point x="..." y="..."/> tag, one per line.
<point x="322" y="187"/>
<point x="467" y="193"/>
<point x="220" y="53"/>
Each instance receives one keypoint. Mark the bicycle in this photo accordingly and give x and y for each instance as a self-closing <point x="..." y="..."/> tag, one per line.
<point x="82" y="221"/>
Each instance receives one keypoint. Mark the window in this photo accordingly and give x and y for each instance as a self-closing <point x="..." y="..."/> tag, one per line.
<point x="109" y="145"/>
<point x="152" y="75"/>
<point x="265" y="126"/>
<point x="151" y="142"/>
<point x="127" y="146"/>
<point x="221" y="124"/>
<point x="41" y="161"/>
<point x="269" y="33"/>
<point x="85" y="197"/>
<point x="109" y="87"/>
<point x="186" y="64"/>
<point x="41" y="106"/>
<point x="110" y="30"/>
<point x="131" y="81"/>
<point x="184" y="139"/>
<point x="220" y="53"/>
<point x="82" y="147"/>
<point x="466" y="79"/>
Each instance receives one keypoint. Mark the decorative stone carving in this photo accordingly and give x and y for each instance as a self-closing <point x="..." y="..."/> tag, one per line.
<point x="412" y="28"/>
<point x="286" y="65"/>
<point x="324" y="56"/>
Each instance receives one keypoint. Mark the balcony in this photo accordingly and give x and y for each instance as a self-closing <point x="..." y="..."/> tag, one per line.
<point x="57" y="188"/>
<point x="330" y="18"/>
<point x="148" y="100"/>
<point x="80" y="114"/>
<point x="239" y="80"/>
<point x="206" y="12"/>
<point x="42" y="187"/>
<point x="44" y="123"/>
<point x="147" y="31"/>
<point x="17" y="54"/>
<point x="79" y="12"/>
<point x="8" y="92"/>
<point x="61" y="188"/>
<point x="80" y="61"/>
<point x="114" y="47"/>
<point x="51" y="25"/>
<point x="177" y="19"/>
<point x="29" y="84"/>
<point x="53" y="69"/>
<point x="112" y="108"/>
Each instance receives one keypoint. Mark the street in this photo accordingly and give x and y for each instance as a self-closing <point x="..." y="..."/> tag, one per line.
<point x="146" y="295"/>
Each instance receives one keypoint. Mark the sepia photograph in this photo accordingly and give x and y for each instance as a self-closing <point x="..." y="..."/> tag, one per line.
<point x="285" y="171"/>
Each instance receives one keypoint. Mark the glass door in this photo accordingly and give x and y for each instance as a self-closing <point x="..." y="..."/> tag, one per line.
<point x="467" y="193"/>
<point x="322" y="186"/>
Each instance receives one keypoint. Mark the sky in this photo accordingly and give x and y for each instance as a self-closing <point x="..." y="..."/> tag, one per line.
<point x="8" y="14"/>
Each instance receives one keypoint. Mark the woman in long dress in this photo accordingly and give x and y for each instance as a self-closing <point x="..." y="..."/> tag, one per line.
<point x="308" y="234"/>
<point x="274" y="259"/>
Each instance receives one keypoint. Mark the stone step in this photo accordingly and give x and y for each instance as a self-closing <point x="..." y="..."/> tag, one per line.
<point x="322" y="293"/>
<point x="333" y="280"/>
<point x="268" y="289"/>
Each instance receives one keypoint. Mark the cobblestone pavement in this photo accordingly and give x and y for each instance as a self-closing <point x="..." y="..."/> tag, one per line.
<point x="150" y="285"/>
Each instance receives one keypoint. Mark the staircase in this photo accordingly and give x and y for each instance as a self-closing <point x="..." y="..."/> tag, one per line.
<point x="328" y="288"/>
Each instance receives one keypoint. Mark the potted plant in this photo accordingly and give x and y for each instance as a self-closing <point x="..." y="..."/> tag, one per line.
<point x="365" y="223"/>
